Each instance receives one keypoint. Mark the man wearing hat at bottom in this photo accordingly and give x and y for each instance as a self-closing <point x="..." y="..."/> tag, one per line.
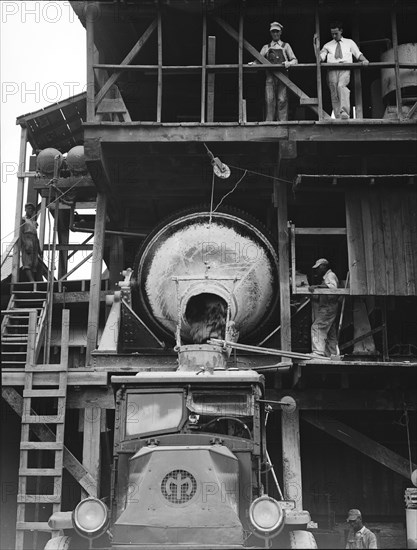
<point x="279" y="53"/>
<point x="29" y="243"/>
<point x="359" y="535"/>
<point x="324" y="312"/>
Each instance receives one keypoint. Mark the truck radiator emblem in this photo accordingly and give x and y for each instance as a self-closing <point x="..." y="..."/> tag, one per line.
<point x="179" y="486"/>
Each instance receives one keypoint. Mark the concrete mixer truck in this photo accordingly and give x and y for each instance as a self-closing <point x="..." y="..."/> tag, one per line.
<point x="191" y="467"/>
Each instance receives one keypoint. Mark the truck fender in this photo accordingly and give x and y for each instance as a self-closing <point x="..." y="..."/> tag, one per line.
<point x="302" y="539"/>
<point x="58" y="543"/>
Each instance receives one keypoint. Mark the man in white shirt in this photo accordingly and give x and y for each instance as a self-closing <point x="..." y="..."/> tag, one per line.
<point x="279" y="53"/>
<point x="324" y="312"/>
<point x="340" y="50"/>
<point x="359" y="536"/>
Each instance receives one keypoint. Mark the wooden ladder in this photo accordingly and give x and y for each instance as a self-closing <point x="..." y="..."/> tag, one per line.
<point x="58" y="374"/>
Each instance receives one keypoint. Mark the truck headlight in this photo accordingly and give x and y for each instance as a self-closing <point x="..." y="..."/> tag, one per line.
<point x="90" y="518"/>
<point x="266" y="515"/>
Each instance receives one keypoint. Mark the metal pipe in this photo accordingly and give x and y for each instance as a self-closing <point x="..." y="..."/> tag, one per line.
<point x="265" y="351"/>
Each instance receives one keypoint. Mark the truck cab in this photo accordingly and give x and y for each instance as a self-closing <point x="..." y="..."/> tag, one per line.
<point x="190" y="467"/>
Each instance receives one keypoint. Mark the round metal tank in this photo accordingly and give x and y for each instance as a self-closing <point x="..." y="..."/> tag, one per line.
<point x="188" y="257"/>
<point x="76" y="160"/>
<point x="46" y="159"/>
<point x="407" y="53"/>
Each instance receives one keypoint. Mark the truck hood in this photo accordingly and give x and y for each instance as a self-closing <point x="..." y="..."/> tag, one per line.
<point x="181" y="495"/>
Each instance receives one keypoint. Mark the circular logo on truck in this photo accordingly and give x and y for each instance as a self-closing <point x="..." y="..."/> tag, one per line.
<point x="179" y="486"/>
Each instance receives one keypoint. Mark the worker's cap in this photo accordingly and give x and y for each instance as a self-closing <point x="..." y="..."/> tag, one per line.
<point x="354" y="514"/>
<point x="275" y="26"/>
<point x="320" y="261"/>
<point x="30" y="204"/>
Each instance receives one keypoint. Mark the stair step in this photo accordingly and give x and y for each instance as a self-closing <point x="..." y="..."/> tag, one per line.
<point x="33" y="526"/>
<point x="46" y="368"/>
<point x="42" y="419"/>
<point x="35" y="472"/>
<point x="10" y="339"/>
<point x="3" y="353"/>
<point x="40" y="446"/>
<point x="39" y="499"/>
<point x="44" y="393"/>
<point x="21" y="310"/>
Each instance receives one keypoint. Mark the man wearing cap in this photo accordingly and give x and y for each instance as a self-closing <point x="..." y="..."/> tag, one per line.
<point x="324" y="311"/>
<point x="340" y="50"/>
<point x="278" y="53"/>
<point x="359" y="535"/>
<point x="29" y="243"/>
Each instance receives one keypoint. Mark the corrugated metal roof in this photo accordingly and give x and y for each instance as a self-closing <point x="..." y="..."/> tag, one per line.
<point x="59" y="125"/>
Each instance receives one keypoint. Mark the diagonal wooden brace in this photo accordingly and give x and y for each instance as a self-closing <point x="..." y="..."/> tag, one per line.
<point x="128" y="59"/>
<point x="74" y="467"/>
<point x="279" y="74"/>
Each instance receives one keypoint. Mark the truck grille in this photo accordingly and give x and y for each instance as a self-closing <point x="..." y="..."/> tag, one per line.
<point x="179" y="486"/>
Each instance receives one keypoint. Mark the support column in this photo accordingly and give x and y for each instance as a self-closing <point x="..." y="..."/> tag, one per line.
<point x="91" y="444"/>
<point x="91" y="11"/>
<point x="291" y="457"/>
<point x="280" y="195"/>
<point x="96" y="269"/>
<point x="19" y="203"/>
<point x="116" y="260"/>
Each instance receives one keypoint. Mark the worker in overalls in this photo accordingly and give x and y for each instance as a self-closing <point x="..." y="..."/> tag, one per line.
<point x="29" y="243"/>
<point x="324" y="310"/>
<point x="276" y="95"/>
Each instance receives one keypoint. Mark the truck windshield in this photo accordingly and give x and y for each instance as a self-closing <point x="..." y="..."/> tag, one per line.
<point x="153" y="413"/>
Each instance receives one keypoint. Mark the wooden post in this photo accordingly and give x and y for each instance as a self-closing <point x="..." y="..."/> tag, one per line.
<point x="91" y="445"/>
<point x="19" y="203"/>
<point x="291" y="458"/>
<point x="159" y="98"/>
<point x="210" y="78"/>
<point x="96" y="267"/>
<point x="358" y="77"/>
<point x="396" y="61"/>
<point x="280" y="193"/>
<point x="203" y="67"/>
<point x="240" y="45"/>
<point x="318" y="68"/>
<point x="90" y="14"/>
<point x="42" y="223"/>
<point x="116" y="260"/>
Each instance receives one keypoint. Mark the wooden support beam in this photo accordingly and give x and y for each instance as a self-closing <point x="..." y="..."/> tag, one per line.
<point x="357" y="75"/>
<point x="90" y="15"/>
<point x="43" y="433"/>
<point x="314" y="399"/>
<point x="396" y="60"/>
<point x="211" y="58"/>
<point x="96" y="269"/>
<point x="360" y="442"/>
<point x="91" y="443"/>
<point x="19" y="204"/>
<point x="291" y="456"/>
<point x="240" y="61"/>
<point x="362" y="334"/>
<point x="98" y="168"/>
<point x="203" y="65"/>
<point x="310" y="131"/>
<point x="279" y="74"/>
<point x="159" y="91"/>
<point x="280" y="195"/>
<point x="318" y="65"/>
<point x="126" y="61"/>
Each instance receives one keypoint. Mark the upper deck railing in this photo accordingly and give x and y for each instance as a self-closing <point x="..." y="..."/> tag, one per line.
<point x="104" y="98"/>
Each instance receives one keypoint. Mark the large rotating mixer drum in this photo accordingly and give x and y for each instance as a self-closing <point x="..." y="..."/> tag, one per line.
<point x="193" y="260"/>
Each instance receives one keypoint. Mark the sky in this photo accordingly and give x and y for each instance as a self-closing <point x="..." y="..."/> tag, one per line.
<point x="43" y="60"/>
